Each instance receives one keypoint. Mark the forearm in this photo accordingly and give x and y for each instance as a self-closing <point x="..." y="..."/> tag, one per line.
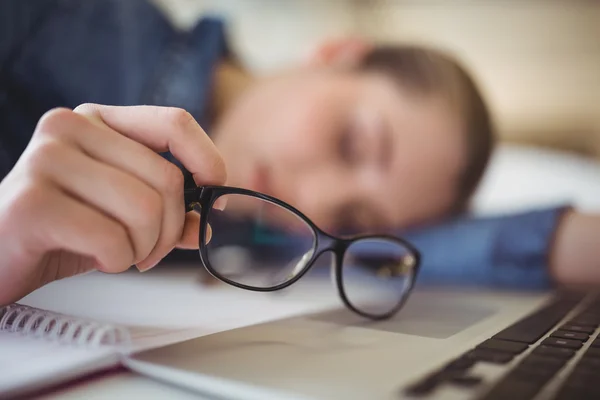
<point x="574" y="258"/>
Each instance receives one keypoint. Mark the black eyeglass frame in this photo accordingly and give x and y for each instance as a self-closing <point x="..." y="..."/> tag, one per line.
<point x="201" y="199"/>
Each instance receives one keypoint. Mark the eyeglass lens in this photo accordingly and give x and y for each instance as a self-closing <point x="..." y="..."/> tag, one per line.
<point x="377" y="274"/>
<point x="258" y="243"/>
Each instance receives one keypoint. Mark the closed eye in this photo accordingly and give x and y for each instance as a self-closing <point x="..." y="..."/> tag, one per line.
<point x="347" y="149"/>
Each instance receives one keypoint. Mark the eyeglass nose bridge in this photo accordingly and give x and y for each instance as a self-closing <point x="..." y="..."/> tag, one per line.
<point x="337" y="247"/>
<point x="326" y="243"/>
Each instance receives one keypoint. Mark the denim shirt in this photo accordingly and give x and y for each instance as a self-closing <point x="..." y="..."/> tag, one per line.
<point x="61" y="53"/>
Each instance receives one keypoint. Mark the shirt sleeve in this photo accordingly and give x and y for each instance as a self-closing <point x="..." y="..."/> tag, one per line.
<point x="509" y="251"/>
<point x="18" y="19"/>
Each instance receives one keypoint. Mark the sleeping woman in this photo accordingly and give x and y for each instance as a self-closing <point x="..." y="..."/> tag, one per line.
<point x="366" y="138"/>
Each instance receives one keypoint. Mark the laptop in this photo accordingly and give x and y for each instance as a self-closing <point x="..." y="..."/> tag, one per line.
<point x="444" y="344"/>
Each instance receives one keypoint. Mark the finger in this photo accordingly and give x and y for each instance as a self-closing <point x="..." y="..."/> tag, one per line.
<point x="162" y="129"/>
<point x="68" y="224"/>
<point x="191" y="234"/>
<point x="135" y="205"/>
<point x="109" y="146"/>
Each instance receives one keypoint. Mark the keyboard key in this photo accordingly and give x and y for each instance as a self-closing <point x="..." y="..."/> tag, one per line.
<point x="570" y="335"/>
<point x="557" y="352"/>
<point x="538" y="374"/>
<point x="590" y="311"/>
<point x="578" y="328"/>
<point x="423" y="387"/>
<point x="493" y="357"/>
<point x="587" y="362"/>
<point x="581" y="386"/>
<point x="531" y="328"/>
<point x="570" y="393"/>
<point x="534" y="361"/>
<point x="566" y="343"/>
<point x="592" y="352"/>
<point x="585" y="320"/>
<point x="582" y="379"/>
<point x="514" y="389"/>
<point x="593" y="308"/>
<point x="460" y="364"/>
<point x="467" y="381"/>
<point x="453" y="372"/>
<point x="503" y="346"/>
<point x="587" y="366"/>
<point x="578" y="380"/>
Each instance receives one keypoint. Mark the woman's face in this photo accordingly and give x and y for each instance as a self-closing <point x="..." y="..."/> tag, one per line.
<point x="350" y="150"/>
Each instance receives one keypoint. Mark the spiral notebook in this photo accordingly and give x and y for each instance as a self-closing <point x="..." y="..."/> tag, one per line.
<point x="41" y="348"/>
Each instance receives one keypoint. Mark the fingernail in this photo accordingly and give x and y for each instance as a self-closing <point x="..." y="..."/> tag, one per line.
<point x="220" y="203"/>
<point x="208" y="233"/>
<point x="144" y="268"/>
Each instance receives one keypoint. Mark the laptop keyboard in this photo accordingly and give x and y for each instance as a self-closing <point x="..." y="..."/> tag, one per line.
<point x="543" y="361"/>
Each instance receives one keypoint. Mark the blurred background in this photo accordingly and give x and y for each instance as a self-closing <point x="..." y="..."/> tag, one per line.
<point x="538" y="62"/>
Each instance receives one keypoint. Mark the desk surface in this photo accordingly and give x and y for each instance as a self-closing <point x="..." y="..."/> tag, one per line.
<point x="119" y="384"/>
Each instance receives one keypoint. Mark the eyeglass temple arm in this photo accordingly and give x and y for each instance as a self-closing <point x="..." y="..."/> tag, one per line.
<point x="191" y="197"/>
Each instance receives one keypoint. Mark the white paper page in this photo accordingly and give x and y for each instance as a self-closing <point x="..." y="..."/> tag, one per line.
<point x="169" y="305"/>
<point x="32" y="363"/>
<point x="144" y="338"/>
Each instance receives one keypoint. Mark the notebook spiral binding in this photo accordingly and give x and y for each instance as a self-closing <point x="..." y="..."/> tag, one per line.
<point x="34" y="322"/>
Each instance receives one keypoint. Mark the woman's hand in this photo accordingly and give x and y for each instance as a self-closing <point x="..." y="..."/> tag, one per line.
<point x="91" y="192"/>
<point x="575" y="254"/>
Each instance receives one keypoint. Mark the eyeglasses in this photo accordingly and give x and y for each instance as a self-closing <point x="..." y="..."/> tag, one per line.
<point x="262" y="244"/>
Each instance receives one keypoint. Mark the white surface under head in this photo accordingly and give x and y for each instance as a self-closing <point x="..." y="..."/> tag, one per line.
<point x="526" y="177"/>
